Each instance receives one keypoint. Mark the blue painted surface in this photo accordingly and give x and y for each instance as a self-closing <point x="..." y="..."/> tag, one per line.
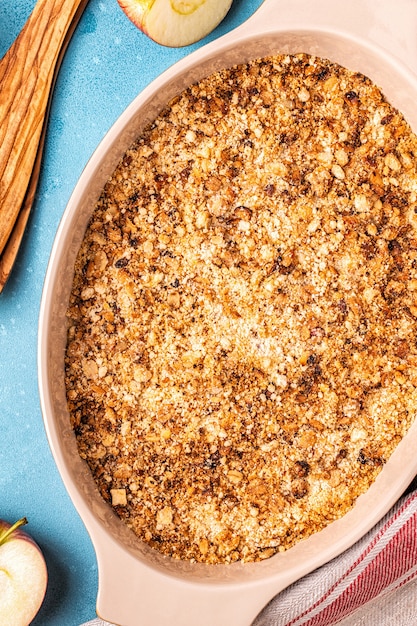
<point x="107" y="64"/>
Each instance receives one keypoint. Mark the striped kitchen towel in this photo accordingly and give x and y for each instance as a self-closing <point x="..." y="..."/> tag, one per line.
<point x="374" y="583"/>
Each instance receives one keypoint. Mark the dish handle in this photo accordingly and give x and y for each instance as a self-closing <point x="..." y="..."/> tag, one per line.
<point x="268" y="13"/>
<point x="132" y="593"/>
<point x="394" y="32"/>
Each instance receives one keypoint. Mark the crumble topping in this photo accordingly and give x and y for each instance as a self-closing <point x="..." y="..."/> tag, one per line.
<point x="241" y="357"/>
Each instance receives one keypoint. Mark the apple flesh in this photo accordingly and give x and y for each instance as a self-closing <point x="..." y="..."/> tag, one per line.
<point x="23" y="575"/>
<point x="176" y="23"/>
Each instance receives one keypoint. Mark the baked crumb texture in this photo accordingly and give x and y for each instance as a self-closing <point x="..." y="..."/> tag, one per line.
<point x="241" y="356"/>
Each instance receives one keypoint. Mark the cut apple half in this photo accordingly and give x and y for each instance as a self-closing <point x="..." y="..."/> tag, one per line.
<point x="176" y="23"/>
<point x="23" y="575"/>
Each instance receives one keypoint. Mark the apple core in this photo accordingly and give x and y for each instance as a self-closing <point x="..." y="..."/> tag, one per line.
<point x="184" y="7"/>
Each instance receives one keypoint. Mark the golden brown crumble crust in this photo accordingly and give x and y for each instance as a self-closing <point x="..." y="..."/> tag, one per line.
<point x="241" y="355"/>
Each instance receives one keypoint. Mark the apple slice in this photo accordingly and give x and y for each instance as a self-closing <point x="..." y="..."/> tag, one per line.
<point x="23" y="575"/>
<point x="176" y="23"/>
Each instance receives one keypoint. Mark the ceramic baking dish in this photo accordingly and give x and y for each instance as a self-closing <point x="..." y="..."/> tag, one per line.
<point x="136" y="584"/>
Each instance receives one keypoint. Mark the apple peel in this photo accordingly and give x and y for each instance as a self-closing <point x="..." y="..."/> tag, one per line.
<point x="23" y="575"/>
<point x="176" y="23"/>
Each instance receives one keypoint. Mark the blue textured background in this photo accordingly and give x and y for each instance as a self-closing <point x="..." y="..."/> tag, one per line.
<point x="108" y="62"/>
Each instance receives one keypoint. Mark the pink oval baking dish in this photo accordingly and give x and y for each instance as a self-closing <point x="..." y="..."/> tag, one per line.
<point x="138" y="586"/>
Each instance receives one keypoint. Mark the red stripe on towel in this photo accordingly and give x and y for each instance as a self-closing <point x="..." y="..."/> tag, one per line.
<point x="391" y="564"/>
